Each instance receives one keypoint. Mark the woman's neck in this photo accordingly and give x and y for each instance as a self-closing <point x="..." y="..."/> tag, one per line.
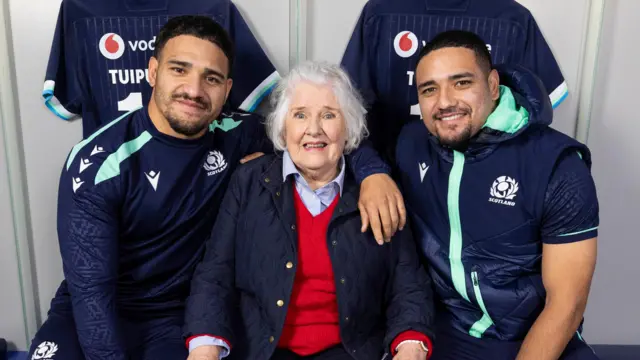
<point x="320" y="177"/>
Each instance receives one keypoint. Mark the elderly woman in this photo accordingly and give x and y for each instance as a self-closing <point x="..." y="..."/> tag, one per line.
<point x="287" y="273"/>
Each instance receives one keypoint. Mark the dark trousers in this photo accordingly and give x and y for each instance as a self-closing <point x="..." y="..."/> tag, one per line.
<point x="455" y="345"/>
<point x="334" y="353"/>
<point x="158" y="339"/>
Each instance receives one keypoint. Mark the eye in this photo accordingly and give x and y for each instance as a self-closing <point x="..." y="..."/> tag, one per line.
<point x="299" y="115"/>
<point x="463" y="83"/>
<point x="428" y="91"/>
<point x="214" y="80"/>
<point x="177" y="70"/>
<point x="328" y="116"/>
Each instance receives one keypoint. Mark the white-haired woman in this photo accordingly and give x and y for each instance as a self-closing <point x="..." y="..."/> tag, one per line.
<point x="287" y="273"/>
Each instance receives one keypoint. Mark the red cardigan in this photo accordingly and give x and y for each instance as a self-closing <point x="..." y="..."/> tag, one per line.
<point x="312" y="322"/>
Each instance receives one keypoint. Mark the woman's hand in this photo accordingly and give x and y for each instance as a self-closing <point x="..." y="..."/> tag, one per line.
<point x="410" y="351"/>
<point x="206" y="352"/>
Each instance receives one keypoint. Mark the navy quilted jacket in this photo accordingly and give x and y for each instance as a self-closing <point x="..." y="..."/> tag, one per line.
<point x="381" y="290"/>
<point x="478" y="216"/>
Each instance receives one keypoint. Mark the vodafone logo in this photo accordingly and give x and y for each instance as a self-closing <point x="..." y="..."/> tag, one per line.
<point x="111" y="46"/>
<point x="405" y="44"/>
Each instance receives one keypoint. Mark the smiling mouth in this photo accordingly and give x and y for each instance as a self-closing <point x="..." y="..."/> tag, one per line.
<point x="316" y="145"/>
<point x="452" y="117"/>
<point x="191" y="104"/>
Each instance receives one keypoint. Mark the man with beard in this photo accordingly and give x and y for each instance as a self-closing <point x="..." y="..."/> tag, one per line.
<point x="504" y="208"/>
<point x="139" y="197"/>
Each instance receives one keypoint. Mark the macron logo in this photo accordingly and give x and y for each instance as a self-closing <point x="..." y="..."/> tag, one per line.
<point x="423" y="170"/>
<point x="84" y="164"/>
<point x="97" y="150"/>
<point x="77" y="182"/>
<point x="153" y="178"/>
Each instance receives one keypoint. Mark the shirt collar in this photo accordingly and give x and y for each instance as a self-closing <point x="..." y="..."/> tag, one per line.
<point x="288" y="168"/>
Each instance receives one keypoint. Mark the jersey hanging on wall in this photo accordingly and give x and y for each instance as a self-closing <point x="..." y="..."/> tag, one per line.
<point x="383" y="50"/>
<point x="101" y="48"/>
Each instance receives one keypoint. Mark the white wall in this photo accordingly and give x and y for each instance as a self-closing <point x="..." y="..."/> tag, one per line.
<point x="613" y="313"/>
<point x="46" y="139"/>
<point x="269" y="21"/>
<point x="12" y="324"/>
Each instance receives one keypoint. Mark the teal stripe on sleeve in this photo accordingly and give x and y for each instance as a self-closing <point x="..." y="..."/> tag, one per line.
<point x="111" y="166"/>
<point x="76" y="149"/>
<point x="580" y="232"/>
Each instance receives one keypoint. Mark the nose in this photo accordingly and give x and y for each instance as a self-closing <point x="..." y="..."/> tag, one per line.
<point x="193" y="86"/>
<point x="314" y="127"/>
<point x="446" y="99"/>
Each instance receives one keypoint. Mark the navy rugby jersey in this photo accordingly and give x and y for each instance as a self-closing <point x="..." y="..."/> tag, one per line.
<point x="101" y="48"/>
<point x="382" y="54"/>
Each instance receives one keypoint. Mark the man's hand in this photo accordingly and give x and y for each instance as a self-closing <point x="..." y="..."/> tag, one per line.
<point x="250" y="157"/>
<point x="381" y="206"/>
<point x="206" y="352"/>
<point x="410" y="351"/>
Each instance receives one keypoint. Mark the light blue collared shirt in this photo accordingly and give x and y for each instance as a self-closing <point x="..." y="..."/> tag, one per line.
<point x="316" y="201"/>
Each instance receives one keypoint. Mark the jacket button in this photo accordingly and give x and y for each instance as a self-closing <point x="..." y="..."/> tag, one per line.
<point x="289" y="265"/>
<point x="267" y="180"/>
<point x="346" y="318"/>
<point x="334" y="243"/>
<point x="271" y="339"/>
<point x="343" y="281"/>
<point x="293" y="227"/>
<point x="280" y="303"/>
<point x="277" y="193"/>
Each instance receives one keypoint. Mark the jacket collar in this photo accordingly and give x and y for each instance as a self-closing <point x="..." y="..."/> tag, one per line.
<point x="282" y="191"/>
<point x="289" y="168"/>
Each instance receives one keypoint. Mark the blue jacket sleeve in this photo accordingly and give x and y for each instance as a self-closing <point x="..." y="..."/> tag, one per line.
<point x="538" y="57"/>
<point x="356" y="59"/>
<point x="252" y="135"/>
<point x="61" y="92"/>
<point x="410" y="304"/>
<point x="255" y="136"/>
<point x="365" y="161"/>
<point x="210" y="306"/>
<point x="88" y="238"/>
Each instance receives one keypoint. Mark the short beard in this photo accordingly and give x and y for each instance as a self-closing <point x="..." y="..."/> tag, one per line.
<point x="181" y="126"/>
<point x="185" y="128"/>
<point x="460" y="142"/>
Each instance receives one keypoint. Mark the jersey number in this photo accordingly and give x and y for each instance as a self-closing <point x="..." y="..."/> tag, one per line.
<point x="132" y="102"/>
<point x="415" y="110"/>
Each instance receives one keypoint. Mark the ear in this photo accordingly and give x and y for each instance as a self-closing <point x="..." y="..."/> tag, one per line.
<point x="153" y="71"/>
<point x="494" y="84"/>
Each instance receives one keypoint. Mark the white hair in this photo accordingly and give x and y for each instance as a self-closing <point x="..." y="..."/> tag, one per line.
<point x="319" y="73"/>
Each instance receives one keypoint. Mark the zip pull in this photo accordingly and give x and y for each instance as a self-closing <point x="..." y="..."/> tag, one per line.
<point x="474" y="278"/>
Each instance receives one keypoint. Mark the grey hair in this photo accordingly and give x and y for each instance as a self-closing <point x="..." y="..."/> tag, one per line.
<point x="320" y="73"/>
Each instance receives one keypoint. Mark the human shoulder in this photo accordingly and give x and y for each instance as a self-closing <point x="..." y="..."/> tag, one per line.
<point x="96" y="158"/>
<point x="257" y="167"/>
<point x="232" y="120"/>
